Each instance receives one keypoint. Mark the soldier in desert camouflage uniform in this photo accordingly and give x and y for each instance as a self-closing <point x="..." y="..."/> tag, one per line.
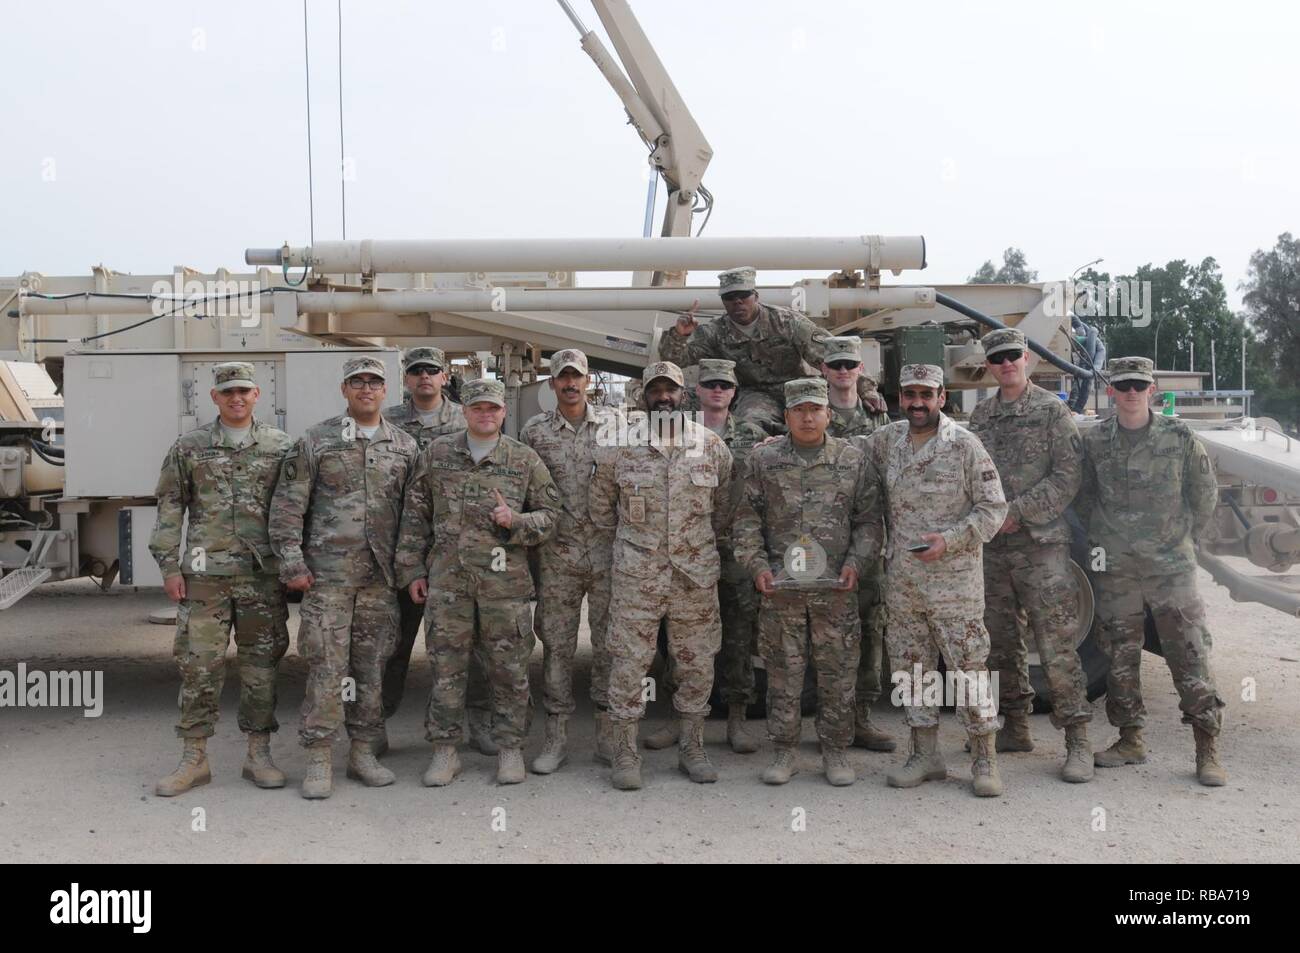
<point x="770" y="346"/>
<point x="667" y="494"/>
<point x="1149" y="491"/>
<point x="334" y="520"/>
<point x="803" y="524"/>
<point x="1032" y="438"/>
<point x="222" y="476"/>
<point x="941" y="492"/>
<point x="477" y="501"/>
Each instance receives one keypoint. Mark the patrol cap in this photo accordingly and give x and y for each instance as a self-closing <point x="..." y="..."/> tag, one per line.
<point x="569" y="357"/>
<point x="363" y="365"/>
<point x="432" y="356"/>
<point x="233" y="374"/>
<point x="737" y="279"/>
<point x="483" y="389"/>
<point x="930" y="375"/>
<point x="663" y="369"/>
<point x="844" y="349"/>
<point x="1131" y="369"/>
<point x="716" y="369"/>
<point x="1003" y="339"/>
<point x="806" y="390"/>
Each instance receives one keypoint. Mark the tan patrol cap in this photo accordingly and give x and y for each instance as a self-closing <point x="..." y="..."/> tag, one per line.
<point x="663" y="369"/>
<point x="363" y="365"/>
<point x="929" y="375"/>
<point x="569" y="357"/>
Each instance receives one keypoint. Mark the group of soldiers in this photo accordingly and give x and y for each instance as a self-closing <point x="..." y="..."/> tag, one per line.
<point x="786" y="516"/>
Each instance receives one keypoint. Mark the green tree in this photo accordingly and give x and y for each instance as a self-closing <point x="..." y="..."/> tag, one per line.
<point x="1014" y="271"/>
<point x="1272" y="299"/>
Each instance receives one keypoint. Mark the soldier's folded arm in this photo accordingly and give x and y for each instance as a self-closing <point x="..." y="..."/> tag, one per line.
<point x="988" y="504"/>
<point x="1200" y="487"/>
<point x="289" y="504"/>
<point x="173" y="498"/>
<point x="415" y="532"/>
<point x="1047" y="499"/>
<point x="541" y="508"/>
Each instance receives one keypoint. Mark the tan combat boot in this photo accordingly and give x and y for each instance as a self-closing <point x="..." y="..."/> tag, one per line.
<point x="318" y="782"/>
<point x="380" y="744"/>
<point x="510" y="766"/>
<point x="480" y="732"/>
<point x="741" y="741"/>
<point x="443" y="768"/>
<point x="836" y="765"/>
<point x="552" y="755"/>
<point x="604" y="751"/>
<point x="664" y="737"/>
<point x="924" y="762"/>
<point x="258" y="766"/>
<point x="191" y="772"/>
<point x="691" y="759"/>
<point x="1078" y="755"/>
<point x="626" y="775"/>
<point x="866" y="735"/>
<point x="984" y="767"/>
<point x="1129" y="749"/>
<point x="363" y="767"/>
<point x="1208" y="769"/>
<point x="784" y="766"/>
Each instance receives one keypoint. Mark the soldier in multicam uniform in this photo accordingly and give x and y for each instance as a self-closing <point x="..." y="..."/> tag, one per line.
<point x="769" y="345"/>
<point x="1149" y="491"/>
<point x="737" y="601"/>
<point x="803" y="523"/>
<point x="222" y="476"/>
<point x="477" y="501"/>
<point x="941" y="492"/>
<point x="852" y="417"/>
<point x="334" y="520"/>
<point x="574" y="562"/>
<point x="668" y="498"/>
<point x="1032" y="438"/>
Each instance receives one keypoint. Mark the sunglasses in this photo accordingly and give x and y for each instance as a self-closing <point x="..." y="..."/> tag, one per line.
<point x="1130" y="385"/>
<point x="717" y="385"/>
<point x="736" y="295"/>
<point x="423" y="370"/>
<point x="843" y="365"/>
<point x="1003" y="356"/>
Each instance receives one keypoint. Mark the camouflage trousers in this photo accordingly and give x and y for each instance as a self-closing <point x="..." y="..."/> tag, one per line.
<point x="694" y="637"/>
<point x="560" y="588"/>
<point x="1179" y="616"/>
<point x="458" y="625"/>
<point x="733" y="667"/>
<point x="917" y="638"/>
<point x="1036" y="580"/>
<point x="345" y="632"/>
<point x="399" y="664"/>
<point x="871" y="616"/>
<point x="254" y="607"/>
<point x="794" y="628"/>
<point x="763" y="408"/>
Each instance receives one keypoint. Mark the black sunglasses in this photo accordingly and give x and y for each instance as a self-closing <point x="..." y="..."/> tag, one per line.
<point x="421" y="369"/>
<point x="717" y="385"/>
<point x="843" y="365"/>
<point x="1131" y="385"/>
<point x="1003" y="356"/>
<point x="736" y="295"/>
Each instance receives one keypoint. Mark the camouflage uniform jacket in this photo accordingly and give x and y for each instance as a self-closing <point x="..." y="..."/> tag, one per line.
<point x="227" y="492"/>
<point x="858" y="422"/>
<point x="447" y="528"/>
<point x="667" y="504"/>
<point x="764" y="360"/>
<point x="450" y="418"/>
<point x="831" y="499"/>
<point x="1144" y="505"/>
<point x="1036" y="447"/>
<point x="741" y="437"/>
<point x="337" y="507"/>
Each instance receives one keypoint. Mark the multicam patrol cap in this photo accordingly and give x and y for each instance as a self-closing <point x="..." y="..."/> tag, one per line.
<point x="806" y="390"/>
<point x="663" y="369"/>
<point x="1131" y="369"/>
<point x="416" y="356"/>
<point x="844" y="349"/>
<point x="737" y="279"/>
<point x="928" y="375"/>
<point x="1003" y="339"/>
<point x="233" y="374"/>
<point x="569" y="357"/>
<point x="716" y="369"/>
<point x="483" y="389"/>
<point x="363" y="365"/>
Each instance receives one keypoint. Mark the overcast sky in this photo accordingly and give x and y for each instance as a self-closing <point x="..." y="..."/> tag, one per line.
<point x="150" y="134"/>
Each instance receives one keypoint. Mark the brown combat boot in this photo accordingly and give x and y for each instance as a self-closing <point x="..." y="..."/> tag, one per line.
<point x="1208" y="769"/>
<point x="604" y="751"/>
<point x="1129" y="749"/>
<point x="1078" y="755"/>
<point x="443" y="768"/>
<point x="510" y="766"/>
<point x="552" y="755"/>
<point x="984" y="767"/>
<point x="191" y="772"/>
<point x="626" y="775"/>
<point x="480" y="732"/>
<point x="318" y="782"/>
<point x="691" y="758"/>
<point x="741" y="741"/>
<point x="1014" y="733"/>
<point x="784" y="766"/>
<point x="380" y="744"/>
<point x="836" y="765"/>
<point x="866" y="735"/>
<point x="363" y="767"/>
<point x="667" y="735"/>
<point x="258" y="766"/>
<point x="924" y="762"/>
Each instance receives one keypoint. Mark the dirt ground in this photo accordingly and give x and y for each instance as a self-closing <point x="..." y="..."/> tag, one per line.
<point x="80" y="789"/>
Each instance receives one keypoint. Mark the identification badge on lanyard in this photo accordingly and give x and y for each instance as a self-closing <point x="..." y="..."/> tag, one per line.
<point x="636" y="509"/>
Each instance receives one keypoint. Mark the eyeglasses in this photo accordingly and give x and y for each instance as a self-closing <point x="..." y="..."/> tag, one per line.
<point x="843" y="365"/>
<point x="1003" y="356"/>
<point x="736" y="295"/>
<point x="371" y="383"/>
<point x="1131" y="385"/>
<point x="717" y="385"/>
<point x="424" y="370"/>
